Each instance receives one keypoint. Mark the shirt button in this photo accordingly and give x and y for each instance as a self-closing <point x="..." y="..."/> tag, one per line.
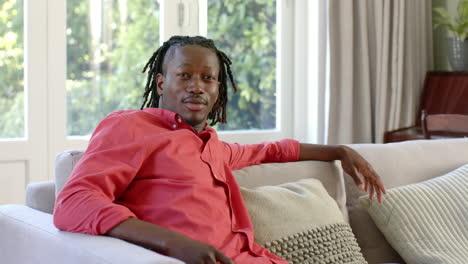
<point x="179" y="120"/>
<point x="174" y="126"/>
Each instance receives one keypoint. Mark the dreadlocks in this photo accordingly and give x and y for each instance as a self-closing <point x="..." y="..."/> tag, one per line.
<point x="155" y="66"/>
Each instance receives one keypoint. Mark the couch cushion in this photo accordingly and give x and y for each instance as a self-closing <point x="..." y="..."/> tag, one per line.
<point x="426" y="222"/>
<point x="399" y="164"/>
<point x="329" y="173"/>
<point x="301" y="223"/>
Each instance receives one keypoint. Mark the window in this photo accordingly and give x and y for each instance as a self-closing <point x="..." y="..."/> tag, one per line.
<point x="108" y="44"/>
<point x="12" y="124"/>
<point x="246" y="32"/>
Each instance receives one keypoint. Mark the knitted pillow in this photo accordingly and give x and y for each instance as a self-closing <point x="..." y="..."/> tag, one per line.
<point x="301" y="223"/>
<point x="426" y="222"/>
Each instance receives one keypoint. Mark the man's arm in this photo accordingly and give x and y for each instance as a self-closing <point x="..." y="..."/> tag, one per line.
<point x="239" y="156"/>
<point x="110" y="163"/>
<point x="320" y="152"/>
<point x="351" y="161"/>
<point x="167" y="242"/>
<point x="86" y="204"/>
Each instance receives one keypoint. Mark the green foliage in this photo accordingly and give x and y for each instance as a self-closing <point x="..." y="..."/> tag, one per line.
<point x="11" y="69"/>
<point x="458" y="25"/>
<point x="104" y="71"/>
<point x="246" y="31"/>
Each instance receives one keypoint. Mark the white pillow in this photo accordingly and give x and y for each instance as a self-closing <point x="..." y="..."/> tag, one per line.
<point x="426" y="222"/>
<point x="301" y="223"/>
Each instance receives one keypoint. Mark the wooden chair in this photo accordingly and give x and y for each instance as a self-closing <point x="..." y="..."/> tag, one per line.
<point x="444" y="125"/>
<point x="443" y="93"/>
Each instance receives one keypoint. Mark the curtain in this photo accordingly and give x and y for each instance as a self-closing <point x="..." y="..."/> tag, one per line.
<point x="379" y="53"/>
<point x="309" y="66"/>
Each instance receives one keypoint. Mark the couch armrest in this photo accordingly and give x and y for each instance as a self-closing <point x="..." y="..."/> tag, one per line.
<point x="41" y="196"/>
<point x="29" y="236"/>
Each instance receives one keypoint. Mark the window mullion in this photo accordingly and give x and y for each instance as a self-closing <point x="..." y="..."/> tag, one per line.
<point x="203" y="17"/>
<point x="36" y="89"/>
<point x="285" y="68"/>
<point x="56" y="76"/>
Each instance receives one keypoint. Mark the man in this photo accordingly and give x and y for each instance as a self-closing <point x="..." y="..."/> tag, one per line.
<point x="160" y="178"/>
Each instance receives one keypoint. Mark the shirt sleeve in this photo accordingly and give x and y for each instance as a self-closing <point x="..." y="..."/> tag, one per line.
<point x="86" y="203"/>
<point x="240" y="156"/>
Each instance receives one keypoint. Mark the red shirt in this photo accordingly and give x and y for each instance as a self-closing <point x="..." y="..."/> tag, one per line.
<point x="151" y="165"/>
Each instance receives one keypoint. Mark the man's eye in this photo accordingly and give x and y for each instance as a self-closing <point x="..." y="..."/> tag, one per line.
<point x="209" y="77"/>
<point x="183" y="75"/>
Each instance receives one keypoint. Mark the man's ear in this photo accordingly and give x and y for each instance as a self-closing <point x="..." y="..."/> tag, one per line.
<point x="160" y="82"/>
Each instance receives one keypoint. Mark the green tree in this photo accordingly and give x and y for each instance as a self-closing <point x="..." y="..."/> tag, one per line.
<point x="11" y="69"/>
<point x="246" y="31"/>
<point x="104" y="71"/>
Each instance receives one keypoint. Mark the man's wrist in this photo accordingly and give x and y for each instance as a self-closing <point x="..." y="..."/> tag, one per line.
<point x="322" y="152"/>
<point x="341" y="151"/>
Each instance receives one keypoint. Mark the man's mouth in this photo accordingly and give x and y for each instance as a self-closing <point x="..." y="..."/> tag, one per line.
<point x="195" y="104"/>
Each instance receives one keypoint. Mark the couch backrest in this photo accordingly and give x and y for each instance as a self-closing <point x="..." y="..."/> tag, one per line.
<point x="64" y="164"/>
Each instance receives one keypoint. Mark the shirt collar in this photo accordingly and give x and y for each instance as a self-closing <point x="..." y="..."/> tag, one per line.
<point x="173" y="118"/>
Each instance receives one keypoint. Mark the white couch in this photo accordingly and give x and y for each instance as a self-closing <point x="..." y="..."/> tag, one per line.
<point x="28" y="235"/>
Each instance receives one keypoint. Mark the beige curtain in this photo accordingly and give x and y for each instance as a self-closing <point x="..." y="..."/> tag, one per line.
<point x="380" y="51"/>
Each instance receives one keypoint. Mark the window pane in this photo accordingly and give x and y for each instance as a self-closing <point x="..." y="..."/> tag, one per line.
<point x="246" y="32"/>
<point x="11" y="69"/>
<point x="108" y="44"/>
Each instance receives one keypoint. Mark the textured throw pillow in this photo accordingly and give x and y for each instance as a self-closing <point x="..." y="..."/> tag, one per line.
<point x="426" y="222"/>
<point x="301" y="223"/>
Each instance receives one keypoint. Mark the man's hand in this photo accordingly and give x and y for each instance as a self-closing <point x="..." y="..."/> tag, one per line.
<point x="355" y="165"/>
<point x="352" y="163"/>
<point x="195" y="252"/>
<point x="168" y="242"/>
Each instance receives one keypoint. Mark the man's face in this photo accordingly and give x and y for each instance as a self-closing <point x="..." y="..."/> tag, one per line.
<point x="189" y="85"/>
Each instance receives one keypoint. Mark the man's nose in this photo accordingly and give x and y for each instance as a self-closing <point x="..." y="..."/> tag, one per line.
<point x="196" y="84"/>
